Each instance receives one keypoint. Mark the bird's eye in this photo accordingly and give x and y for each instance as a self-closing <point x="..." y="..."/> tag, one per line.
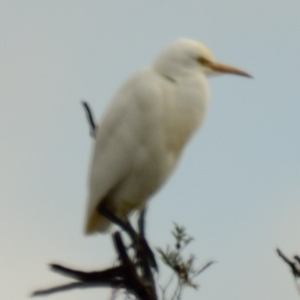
<point x="203" y="61"/>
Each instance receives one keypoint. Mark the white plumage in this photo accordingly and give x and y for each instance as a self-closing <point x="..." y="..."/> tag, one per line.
<point x="142" y="135"/>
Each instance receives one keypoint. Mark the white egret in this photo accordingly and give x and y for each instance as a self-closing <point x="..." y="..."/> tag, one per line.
<point x="143" y="133"/>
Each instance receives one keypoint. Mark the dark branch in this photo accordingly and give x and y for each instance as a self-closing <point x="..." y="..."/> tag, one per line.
<point x="205" y="267"/>
<point x="297" y="258"/>
<point x="134" y="282"/>
<point x="105" y="275"/>
<point x="293" y="264"/>
<point x="138" y="239"/>
<point x="62" y="288"/>
<point x="124" y="276"/>
<point x="90" y="118"/>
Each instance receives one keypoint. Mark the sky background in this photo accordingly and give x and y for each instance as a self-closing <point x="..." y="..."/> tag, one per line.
<point x="237" y="188"/>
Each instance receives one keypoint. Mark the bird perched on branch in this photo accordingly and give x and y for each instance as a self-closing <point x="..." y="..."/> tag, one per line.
<point x="146" y="127"/>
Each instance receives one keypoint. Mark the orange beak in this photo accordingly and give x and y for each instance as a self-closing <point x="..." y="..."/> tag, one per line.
<point x="226" y="69"/>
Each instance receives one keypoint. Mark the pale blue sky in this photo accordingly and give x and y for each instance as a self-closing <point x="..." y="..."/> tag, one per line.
<point x="237" y="188"/>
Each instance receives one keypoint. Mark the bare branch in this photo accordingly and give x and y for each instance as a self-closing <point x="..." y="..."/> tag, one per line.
<point x="293" y="264"/>
<point x="90" y="118"/>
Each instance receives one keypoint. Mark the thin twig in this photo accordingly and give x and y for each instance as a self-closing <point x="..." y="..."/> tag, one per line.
<point x="204" y="268"/>
<point x="177" y="290"/>
<point x="60" y="288"/>
<point x="294" y="265"/>
<point x="164" y="290"/>
<point x="90" y="118"/>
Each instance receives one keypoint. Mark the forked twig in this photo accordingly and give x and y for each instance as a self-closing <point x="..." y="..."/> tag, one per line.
<point x="294" y="266"/>
<point x="123" y="276"/>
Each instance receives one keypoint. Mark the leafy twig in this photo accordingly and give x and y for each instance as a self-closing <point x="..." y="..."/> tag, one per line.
<point x="183" y="267"/>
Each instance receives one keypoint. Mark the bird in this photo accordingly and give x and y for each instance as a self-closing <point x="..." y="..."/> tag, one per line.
<point x="145" y="129"/>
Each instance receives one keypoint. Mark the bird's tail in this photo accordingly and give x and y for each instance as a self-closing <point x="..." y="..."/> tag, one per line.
<point x="97" y="223"/>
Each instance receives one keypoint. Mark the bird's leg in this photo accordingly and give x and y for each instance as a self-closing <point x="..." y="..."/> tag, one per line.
<point x="138" y="239"/>
<point x="125" y="225"/>
<point x="141" y="222"/>
<point x="143" y="242"/>
<point x="146" y="256"/>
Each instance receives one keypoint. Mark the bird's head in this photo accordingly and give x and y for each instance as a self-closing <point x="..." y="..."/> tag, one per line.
<point x="185" y="55"/>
